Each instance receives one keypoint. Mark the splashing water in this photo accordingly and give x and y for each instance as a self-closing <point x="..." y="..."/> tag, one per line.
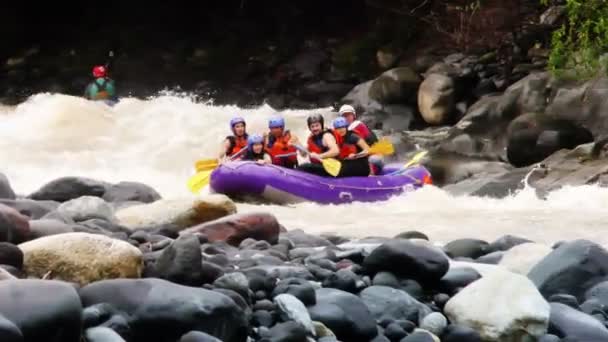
<point x="156" y="141"/>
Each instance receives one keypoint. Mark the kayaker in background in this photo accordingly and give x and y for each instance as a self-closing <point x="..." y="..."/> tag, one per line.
<point x="255" y="150"/>
<point x="349" y="113"/>
<point x="278" y="144"/>
<point x="234" y="143"/>
<point x="321" y="144"/>
<point x="102" y="87"/>
<point x="353" y="151"/>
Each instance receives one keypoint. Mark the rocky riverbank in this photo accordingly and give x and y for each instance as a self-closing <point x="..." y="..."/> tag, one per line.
<point x="82" y="259"/>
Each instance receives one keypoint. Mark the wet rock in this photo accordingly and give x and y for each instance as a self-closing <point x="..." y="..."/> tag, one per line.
<point x="5" y="188"/>
<point x="235" y="281"/>
<point x="506" y="242"/>
<point x="102" y="334"/>
<point x="573" y="268"/>
<point x="291" y="309"/>
<point x="198" y="336"/>
<point x="394" y="332"/>
<point x="235" y="228"/>
<point x="299" y="288"/>
<point x="460" y="333"/>
<point x="456" y="278"/>
<point x="434" y="322"/>
<point x="385" y="301"/>
<point x="344" y="280"/>
<point x="181" y="262"/>
<point x="67" y="188"/>
<point x="412" y="234"/>
<point x="386" y="279"/>
<point x="549" y="338"/>
<point x="570" y="323"/>
<point x="288" y="331"/>
<point x="598" y="292"/>
<point x="81" y="258"/>
<point x="11" y="255"/>
<point x="34" y="209"/>
<point x="345" y="314"/>
<point x="46" y="227"/>
<point x="164" y="311"/>
<point x="178" y="214"/>
<point x="522" y="258"/>
<point x="436" y="99"/>
<point x="469" y="248"/>
<point x="298" y="238"/>
<point x="43" y="310"/>
<point x="563" y="298"/>
<point x="408" y="259"/>
<point x="85" y="208"/>
<point x="420" y="336"/>
<point x="518" y="310"/>
<point x="491" y="258"/>
<point x="262" y="318"/>
<point x="14" y="227"/>
<point x="441" y="299"/>
<point x="5" y="274"/>
<point x="9" y="332"/>
<point x="130" y="191"/>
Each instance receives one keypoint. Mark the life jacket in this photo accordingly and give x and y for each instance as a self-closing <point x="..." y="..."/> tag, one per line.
<point x="275" y="147"/>
<point x="103" y="92"/>
<point x="346" y="146"/>
<point x="236" y="144"/>
<point x="315" y="144"/>
<point x="363" y="131"/>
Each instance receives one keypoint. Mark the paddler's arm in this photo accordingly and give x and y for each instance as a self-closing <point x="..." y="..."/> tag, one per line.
<point x="333" y="149"/>
<point x="364" y="150"/>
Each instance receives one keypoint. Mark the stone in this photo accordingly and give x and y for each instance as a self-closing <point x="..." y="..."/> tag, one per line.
<point x="234" y="229"/>
<point x="571" y="323"/>
<point x="469" y="248"/>
<point x="198" y="336"/>
<point x="398" y="85"/>
<point x="31" y="208"/>
<point x="131" y="191"/>
<point x="436" y="99"/>
<point x="9" y="332"/>
<point x="385" y="301"/>
<point x="517" y="308"/>
<point x="81" y="258"/>
<point x="178" y="214"/>
<point x="291" y="309"/>
<point x="235" y="281"/>
<point x="506" y="242"/>
<point x="573" y="268"/>
<point x="14" y="227"/>
<point x="67" y="188"/>
<point x="181" y="262"/>
<point x="435" y="322"/>
<point x="299" y="288"/>
<point x="163" y="311"/>
<point x="46" y="227"/>
<point x="456" y="278"/>
<point x="288" y="331"/>
<point x="423" y="263"/>
<point x="299" y="238"/>
<point x="85" y="208"/>
<point x="102" y="334"/>
<point x="460" y="333"/>
<point x="522" y="258"/>
<point x="11" y="255"/>
<point x="5" y="188"/>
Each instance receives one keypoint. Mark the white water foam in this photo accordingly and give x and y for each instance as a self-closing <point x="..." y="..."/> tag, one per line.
<point x="156" y="141"/>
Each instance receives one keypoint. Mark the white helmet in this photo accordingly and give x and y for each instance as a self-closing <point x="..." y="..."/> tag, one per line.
<point x="347" y="109"/>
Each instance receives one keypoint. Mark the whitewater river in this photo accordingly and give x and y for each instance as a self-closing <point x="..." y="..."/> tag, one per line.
<point x="156" y="141"/>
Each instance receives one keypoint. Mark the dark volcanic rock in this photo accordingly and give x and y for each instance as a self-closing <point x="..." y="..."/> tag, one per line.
<point x="163" y="311"/>
<point x="11" y="255"/>
<point x="198" y="336"/>
<point x="460" y="333"/>
<point x="408" y="259"/>
<point x="506" y="242"/>
<point x="181" y="262"/>
<point x="299" y="288"/>
<point x="9" y="332"/>
<point x="14" y="227"/>
<point x="34" y="209"/>
<point x="130" y="191"/>
<point x="470" y="248"/>
<point x="570" y="323"/>
<point x="67" y="188"/>
<point x="457" y="277"/>
<point x="385" y="301"/>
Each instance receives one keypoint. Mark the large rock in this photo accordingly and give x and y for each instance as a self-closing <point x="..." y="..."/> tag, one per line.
<point x="398" y="85"/>
<point x="234" y="229"/>
<point x="468" y="248"/>
<point x="9" y="332"/>
<point x="421" y="262"/>
<point x="436" y="99"/>
<point x="5" y="188"/>
<point x="11" y="255"/>
<point x="81" y="258"/>
<point x="43" y="310"/>
<point x="575" y="325"/>
<point x="177" y="213"/>
<point x="572" y="268"/>
<point x="85" y="208"/>
<point x="522" y="258"/>
<point x="344" y="314"/>
<point x="501" y="306"/>
<point x="384" y="301"/>
<point x="131" y="191"/>
<point x="292" y="309"/>
<point x="46" y="227"/>
<point x="162" y="311"/>
<point x="67" y="188"/>
<point x="34" y="209"/>
<point x="181" y="262"/>
<point x="14" y="227"/>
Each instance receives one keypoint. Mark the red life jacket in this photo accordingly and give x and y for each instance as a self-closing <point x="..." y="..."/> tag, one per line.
<point x="346" y="148"/>
<point x="236" y="144"/>
<point x="363" y="131"/>
<point x="279" y="146"/>
<point x="315" y="144"/>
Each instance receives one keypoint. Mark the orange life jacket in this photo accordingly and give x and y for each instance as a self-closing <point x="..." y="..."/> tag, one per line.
<point x="236" y="144"/>
<point x="315" y="144"/>
<point x="346" y="149"/>
<point x="277" y="146"/>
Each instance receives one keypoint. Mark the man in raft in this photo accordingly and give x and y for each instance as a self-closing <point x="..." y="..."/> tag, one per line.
<point x="102" y="87"/>
<point x="339" y="143"/>
<point x="278" y="144"/>
<point x="255" y="150"/>
<point x="348" y="112"/>
<point x="234" y="143"/>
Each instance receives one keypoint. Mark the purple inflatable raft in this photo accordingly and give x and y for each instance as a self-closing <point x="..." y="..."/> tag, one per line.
<point x="274" y="184"/>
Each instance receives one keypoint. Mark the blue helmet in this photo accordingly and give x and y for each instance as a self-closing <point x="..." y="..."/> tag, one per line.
<point x="340" y="123"/>
<point x="254" y="139"/>
<point x="276" y="122"/>
<point x="236" y="120"/>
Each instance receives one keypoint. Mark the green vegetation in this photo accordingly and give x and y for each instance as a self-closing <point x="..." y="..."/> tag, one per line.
<point x="578" y="46"/>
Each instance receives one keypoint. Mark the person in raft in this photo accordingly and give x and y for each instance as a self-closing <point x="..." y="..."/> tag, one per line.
<point x="278" y="144"/>
<point x="255" y="150"/>
<point x="233" y="144"/>
<point x="102" y="87"/>
<point x="348" y="112"/>
<point x="339" y="143"/>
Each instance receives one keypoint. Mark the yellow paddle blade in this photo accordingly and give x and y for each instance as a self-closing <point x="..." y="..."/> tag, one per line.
<point x="415" y="159"/>
<point x="384" y="147"/>
<point x="199" y="181"/>
<point x="332" y="166"/>
<point x="205" y="164"/>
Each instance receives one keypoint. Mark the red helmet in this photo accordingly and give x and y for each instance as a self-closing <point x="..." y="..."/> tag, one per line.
<point x="99" y="71"/>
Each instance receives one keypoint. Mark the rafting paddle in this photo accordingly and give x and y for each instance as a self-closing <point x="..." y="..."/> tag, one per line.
<point x="201" y="178"/>
<point x="382" y="147"/>
<point x="412" y="161"/>
<point x="331" y="165"/>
